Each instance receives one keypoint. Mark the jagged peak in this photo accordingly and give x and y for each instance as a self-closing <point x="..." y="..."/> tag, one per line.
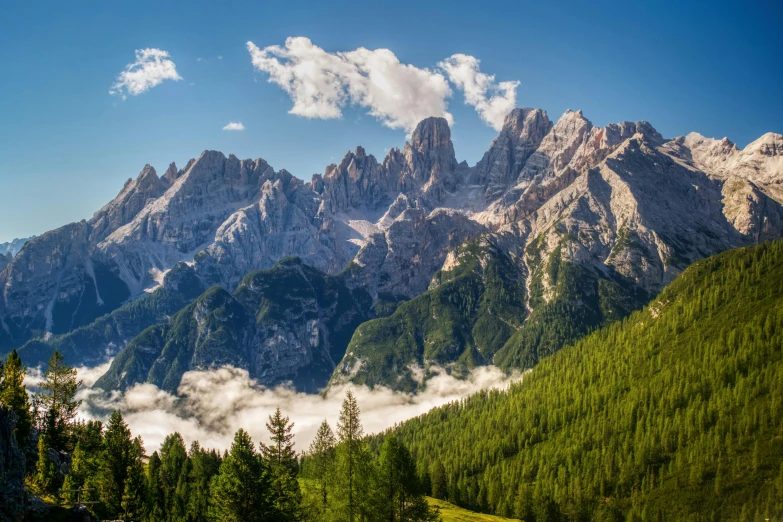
<point x="431" y="133"/>
<point x="171" y="173"/>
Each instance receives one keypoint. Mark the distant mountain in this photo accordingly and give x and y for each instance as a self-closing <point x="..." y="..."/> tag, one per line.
<point x="288" y="323"/>
<point x="10" y="249"/>
<point x="13" y="247"/>
<point x="590" y="221"/>
<point x="671" y="414"/>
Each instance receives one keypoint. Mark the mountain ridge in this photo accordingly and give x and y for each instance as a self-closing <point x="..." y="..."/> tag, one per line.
<point x="619" y="204"/>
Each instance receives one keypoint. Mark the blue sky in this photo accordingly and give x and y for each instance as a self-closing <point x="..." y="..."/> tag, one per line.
<point x="67" y="145"/>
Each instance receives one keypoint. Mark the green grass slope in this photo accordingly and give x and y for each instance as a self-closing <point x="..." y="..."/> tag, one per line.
<point x="451" y="513"/>
<point x="675" y="413"/>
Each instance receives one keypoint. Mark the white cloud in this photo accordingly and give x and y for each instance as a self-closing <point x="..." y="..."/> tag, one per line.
<point x="213" y="404"/>
<point x="321" y="84"/>
<point x="234" y="126"/>
<point x="493" y="101"/>
<point x="151" y="68"/>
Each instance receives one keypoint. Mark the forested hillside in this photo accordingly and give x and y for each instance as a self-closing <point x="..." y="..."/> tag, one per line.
<point x="470" y="310"/>
<point x="675" y="413"/>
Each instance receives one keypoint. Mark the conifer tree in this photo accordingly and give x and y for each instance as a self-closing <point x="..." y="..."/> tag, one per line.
<point x="118" y="456"/>
<point x="155" y="497"/>
<point x="322" y="460"/>
<point x="352" y="462"/>
<point x="45" y="471"/>
<point x="280" y="459"/>
<point x="173" y="461"/>
<point x="57" y="401"/>
<point x="205" y="465"/>
<point x="240" y="491"/>
<point x="14" y="395"/>
<point x="134" y="493"/>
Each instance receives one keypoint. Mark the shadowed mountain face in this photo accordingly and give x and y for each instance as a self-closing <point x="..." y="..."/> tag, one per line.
<point x="586" y="222"/>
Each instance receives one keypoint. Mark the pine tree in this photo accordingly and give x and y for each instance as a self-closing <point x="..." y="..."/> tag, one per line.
<point x="155" y="497"/>
<point x="205" y="465"/>
<point x="352" y="461"/>
<point x="57" y="401"/>
<point x="439" y="485"/>
<point x="173" y="460"/>
<point x="14" y="395"/>
<point x="280" y="459"/>
<point x="134" y="493"/>
<point x="118" y="456"/>
<point x="45" y="471"/>
<point x="322" y="460"/>
<point x="240" y="491"/>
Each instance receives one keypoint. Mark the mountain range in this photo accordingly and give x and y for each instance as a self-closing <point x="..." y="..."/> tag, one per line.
<point x="404" y="268"/>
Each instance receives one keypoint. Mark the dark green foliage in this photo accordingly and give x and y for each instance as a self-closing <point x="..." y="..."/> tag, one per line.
<point x="290" y="293"/>
<point x="240" y="491"/>
<point x="118" y="474"/>
<point x="280" y="460"/>
<point x="13" y="394"/>
<point x="467" y="315"/>
<point x="645" y="419"/>
<point x="89" y="344"/>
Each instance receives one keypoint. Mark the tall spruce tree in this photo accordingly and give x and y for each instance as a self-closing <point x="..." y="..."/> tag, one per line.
<point x="205" y="465"/>
<point x="280" y="459"/>
<point x="155" y="498"/>
<point x="353" y="467"/>
<point x="118" y="456"/>
<point x="322" y="461"/>
<point x="173" y="463"/>
<point x="134" y="492"/>
<point x="240" y="491"/>
<point x="14" y="395"/>
<point x="57" y="402"/>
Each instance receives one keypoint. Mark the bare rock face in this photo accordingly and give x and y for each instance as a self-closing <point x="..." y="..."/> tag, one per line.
<point x="522" y="133"/>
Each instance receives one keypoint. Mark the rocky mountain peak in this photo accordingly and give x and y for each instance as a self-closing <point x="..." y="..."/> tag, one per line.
<point x="432" y="134"/>
<point x="171" y="173"/>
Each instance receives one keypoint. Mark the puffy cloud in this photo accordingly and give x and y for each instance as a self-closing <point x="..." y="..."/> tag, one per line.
<point x="493" y="101"/>
<point x="234" y="126"/>
<point x="321" y="84"/>
<point x="151" y="68"/>
<point x="211" y="405"/>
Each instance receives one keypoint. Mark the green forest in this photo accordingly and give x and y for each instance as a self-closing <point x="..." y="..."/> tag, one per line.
<point x="675" y="413"/>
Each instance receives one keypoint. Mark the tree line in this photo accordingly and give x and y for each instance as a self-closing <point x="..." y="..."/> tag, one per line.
<point x="105" y="468"/>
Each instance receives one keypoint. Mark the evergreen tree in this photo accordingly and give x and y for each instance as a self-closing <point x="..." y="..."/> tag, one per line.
<point x="118" y="456"/>
<point x="439" y="485"/>
<point x="14" y="395"/>
<point x="45" y="472"/>
<point x="280" y="459"/>
<point x="57" y="401"/>
<point x="173" y="470"/>
<point x="398" y="496"/>
<point x="352" y="462"/>
<point x="155" y="497"/>
<point x="205" y="465"/>
<point x="322" y="461"/>
<point x="134" y="493"/>
<point x="240" y="491"/>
